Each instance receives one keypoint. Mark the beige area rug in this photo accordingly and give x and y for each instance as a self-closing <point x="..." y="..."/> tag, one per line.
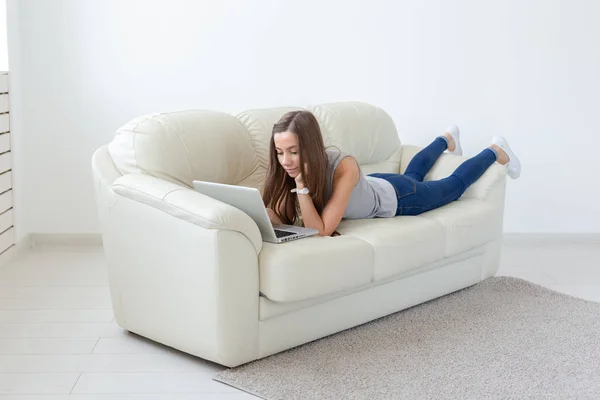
<point x="503" y="338"/>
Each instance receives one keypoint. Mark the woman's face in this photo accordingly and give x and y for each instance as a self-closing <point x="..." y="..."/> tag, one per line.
<point x="286" y="144"/>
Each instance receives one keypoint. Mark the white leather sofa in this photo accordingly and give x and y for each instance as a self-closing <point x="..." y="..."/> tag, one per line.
<point x="192" y="273"/>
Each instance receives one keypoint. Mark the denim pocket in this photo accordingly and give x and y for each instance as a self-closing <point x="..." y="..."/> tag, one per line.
<point x="404" y="186"/>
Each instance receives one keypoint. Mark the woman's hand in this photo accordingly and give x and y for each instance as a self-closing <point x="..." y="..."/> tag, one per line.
<point x="300" y="179"/>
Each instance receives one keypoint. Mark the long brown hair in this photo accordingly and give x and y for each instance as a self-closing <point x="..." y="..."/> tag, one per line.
<point x="311" y="149"/>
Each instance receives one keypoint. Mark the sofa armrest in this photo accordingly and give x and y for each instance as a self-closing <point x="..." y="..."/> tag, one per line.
<point x="491" y="180"/>
<point x="187" y="204"/>
<point x="175" y="282"/>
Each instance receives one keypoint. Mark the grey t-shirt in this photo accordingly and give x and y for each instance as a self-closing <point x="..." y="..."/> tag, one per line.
<point x="372" y="197"/>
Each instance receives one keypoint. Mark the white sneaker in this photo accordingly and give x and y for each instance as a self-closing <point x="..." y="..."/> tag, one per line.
<point x="514" y="165"/>
<point x="455" y="133"/>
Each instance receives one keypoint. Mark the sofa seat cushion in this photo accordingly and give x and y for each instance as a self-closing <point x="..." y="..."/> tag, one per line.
<point x="399" y="244"/>
<point x="467" y="223"/>
<point x="314" y="266"/>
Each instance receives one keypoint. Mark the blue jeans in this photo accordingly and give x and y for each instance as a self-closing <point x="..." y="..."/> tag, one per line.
<point x="416" y="197"/>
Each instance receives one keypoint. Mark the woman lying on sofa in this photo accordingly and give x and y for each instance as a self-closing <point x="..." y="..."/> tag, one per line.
<point x="328" y="185"/>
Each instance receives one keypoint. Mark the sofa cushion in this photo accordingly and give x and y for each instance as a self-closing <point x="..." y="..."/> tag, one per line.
<point x="314" y="266"/>
<point x="476" y="257"/>
<point x="467" y="223"/>
<point x="399" y="244"/>
<point x="363" y="130"/>
<point x="259" y="124"/>
<point x="184" y="146"/>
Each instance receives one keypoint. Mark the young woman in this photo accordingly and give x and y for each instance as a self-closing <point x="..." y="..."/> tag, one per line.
<point x="327" y="185"/>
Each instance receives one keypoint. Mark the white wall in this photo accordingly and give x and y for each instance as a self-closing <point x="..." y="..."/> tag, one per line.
<point x="3" y="37"/>
<point x="526" y="69"/>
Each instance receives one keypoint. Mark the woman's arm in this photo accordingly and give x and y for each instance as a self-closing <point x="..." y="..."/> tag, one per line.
<point x="275" y="220"/>
<point x="344" y="180"/>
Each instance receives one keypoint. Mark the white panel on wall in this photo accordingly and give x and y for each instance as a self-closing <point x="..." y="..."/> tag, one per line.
<point x="6" y="201"/>
<point x="4" y="125"/>
<point x="6" y="220"/>
<point x="5" y="162"/>
<point x="4" y="142"/>
<point x="3" y="103"/>
<point x="3" y="82"/>
<point x="5" y="181"/>
<point x="7" y="239"/>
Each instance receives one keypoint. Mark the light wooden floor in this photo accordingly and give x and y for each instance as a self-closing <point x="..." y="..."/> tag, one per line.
<point x="58" y="339"/>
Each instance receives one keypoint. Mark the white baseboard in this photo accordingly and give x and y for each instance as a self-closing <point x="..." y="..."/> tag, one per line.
<point x="532" y="239"/>
<point x="49" y="239"/>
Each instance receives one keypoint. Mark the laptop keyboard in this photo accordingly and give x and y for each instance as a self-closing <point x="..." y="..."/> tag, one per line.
<point x="280" y="233"/>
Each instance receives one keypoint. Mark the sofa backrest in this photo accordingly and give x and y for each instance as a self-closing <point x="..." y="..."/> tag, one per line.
<point x="213" y="146"/>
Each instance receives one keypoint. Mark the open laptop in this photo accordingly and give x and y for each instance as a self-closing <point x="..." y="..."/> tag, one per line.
<point x="250" y="201"/>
